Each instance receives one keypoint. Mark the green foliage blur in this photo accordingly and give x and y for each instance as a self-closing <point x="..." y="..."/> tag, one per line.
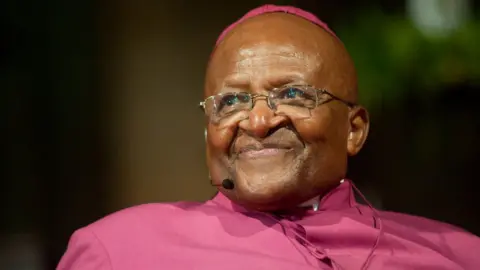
<point x="392" y="55"/>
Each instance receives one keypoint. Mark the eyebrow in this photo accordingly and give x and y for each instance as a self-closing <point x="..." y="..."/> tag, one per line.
<point x="236" y="81"/>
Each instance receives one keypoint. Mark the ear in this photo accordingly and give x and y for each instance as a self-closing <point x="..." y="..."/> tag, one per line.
<point x="207" y="150"/>
<point x="359" y="126"/>
<point x="207" y="155"/>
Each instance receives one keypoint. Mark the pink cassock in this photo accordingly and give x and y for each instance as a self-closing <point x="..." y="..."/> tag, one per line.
<point x="217" y="234"/>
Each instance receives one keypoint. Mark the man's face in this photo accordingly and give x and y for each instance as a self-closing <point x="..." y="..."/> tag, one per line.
<point x="275" y="160"/>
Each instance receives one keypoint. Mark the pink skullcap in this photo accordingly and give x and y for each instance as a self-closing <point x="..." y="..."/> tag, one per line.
<point x="273" y="8"/>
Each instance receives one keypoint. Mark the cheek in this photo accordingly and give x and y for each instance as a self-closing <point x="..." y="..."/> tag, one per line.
<point x="319" y="127"/>
<point x="218" y="140"/>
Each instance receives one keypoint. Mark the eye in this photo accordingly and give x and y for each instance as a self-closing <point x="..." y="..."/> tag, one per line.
<point x="291" y="93"/>
<point x="231" y="102"/>
<point x="294" y="96"/>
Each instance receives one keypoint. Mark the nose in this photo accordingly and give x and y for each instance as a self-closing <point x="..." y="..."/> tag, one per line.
<point x="261" y="120"/>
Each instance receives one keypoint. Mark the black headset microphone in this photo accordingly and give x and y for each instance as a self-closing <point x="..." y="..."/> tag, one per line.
<point x="226" y="184"/>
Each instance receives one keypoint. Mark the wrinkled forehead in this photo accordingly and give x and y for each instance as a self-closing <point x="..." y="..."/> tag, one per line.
<point x="285" y="52"/>
<point x="277" y="53"/>
<point x="275" y="47"/>
<point x="266" y="57"/>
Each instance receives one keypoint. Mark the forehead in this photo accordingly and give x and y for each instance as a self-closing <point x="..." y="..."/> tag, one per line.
<point x="267" y="60"/>
<point x="263" y="64"/>
<point x="271" y="54"/>
<point x="270" y="48"/>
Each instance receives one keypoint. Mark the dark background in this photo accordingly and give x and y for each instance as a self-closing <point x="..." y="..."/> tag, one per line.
<point x="98" y="109"/>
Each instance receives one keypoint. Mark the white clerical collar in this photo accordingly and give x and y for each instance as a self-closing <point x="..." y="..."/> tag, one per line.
<point x="315" y="202"/>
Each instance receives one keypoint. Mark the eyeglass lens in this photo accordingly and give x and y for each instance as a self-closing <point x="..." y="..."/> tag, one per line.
<point x="294" y="102"/>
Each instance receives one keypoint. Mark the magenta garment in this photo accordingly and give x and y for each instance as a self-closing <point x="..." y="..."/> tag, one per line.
<point x="274" y="8"/>
<point x="218" y="234"/>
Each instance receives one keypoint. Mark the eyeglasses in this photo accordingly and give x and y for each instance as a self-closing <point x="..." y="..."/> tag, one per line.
<point x="294" y="101"/>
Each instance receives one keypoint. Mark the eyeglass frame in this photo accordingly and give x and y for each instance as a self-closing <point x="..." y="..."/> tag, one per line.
<point x="253" y="97"/>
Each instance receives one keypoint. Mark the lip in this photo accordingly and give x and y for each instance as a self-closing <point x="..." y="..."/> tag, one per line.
<point x="263" y="153"/>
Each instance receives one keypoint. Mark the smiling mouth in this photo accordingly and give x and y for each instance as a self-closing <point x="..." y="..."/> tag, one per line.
<point x="266" y="152"/>
<point x="252" y="153"/>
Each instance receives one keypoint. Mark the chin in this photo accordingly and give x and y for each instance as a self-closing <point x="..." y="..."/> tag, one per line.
<point x="266" y="195"/>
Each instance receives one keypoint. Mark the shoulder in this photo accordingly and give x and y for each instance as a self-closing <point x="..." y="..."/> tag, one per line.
<point x="143" y="214"/>
<point x="448" y="239"/>
<point x="85" y="251"/>
<point x="114" y="237"/>
<point x="143" y="220"/>
<point x="422" y="224"/>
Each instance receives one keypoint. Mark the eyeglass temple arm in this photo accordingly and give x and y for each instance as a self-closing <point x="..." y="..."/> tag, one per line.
<point x="348" y="103"/>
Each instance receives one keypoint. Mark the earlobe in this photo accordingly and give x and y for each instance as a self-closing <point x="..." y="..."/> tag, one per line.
<point x="359" y="127"/>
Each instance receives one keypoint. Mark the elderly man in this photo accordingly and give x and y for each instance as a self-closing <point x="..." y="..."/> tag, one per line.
<point x="281" y="93"/>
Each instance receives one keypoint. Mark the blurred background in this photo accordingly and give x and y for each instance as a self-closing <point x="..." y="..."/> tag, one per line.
<point x="98" y="109"/>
